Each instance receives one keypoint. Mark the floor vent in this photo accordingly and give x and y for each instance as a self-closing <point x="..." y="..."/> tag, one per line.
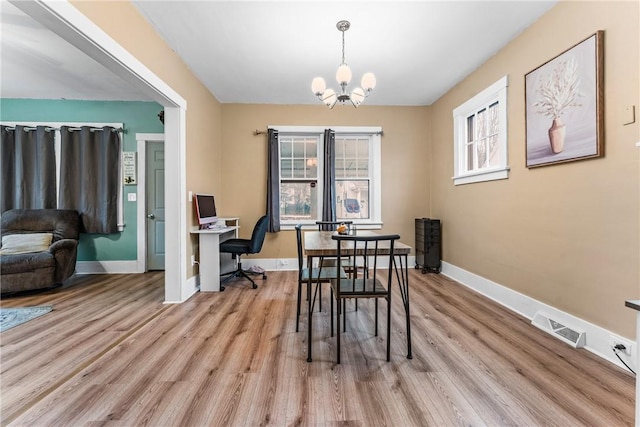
<point x="571" y="336"/>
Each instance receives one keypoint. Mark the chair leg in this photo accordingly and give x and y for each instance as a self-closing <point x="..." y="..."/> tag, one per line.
<point x="239" y="272"/>
<point x="338" y="332"/>
<point x="376" y="321"/>
<point x="298" y="306"/>
<point x="344" y="316"/>
<point x="388" y="329"/>
<point x="331" y="312"/>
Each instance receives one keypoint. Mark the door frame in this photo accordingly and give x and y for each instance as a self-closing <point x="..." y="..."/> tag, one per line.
<point x="141" y="217"/>
<point x="69" y="23"/>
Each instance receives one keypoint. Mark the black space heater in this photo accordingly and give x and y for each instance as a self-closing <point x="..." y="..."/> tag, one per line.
<point x="428" y="245"/>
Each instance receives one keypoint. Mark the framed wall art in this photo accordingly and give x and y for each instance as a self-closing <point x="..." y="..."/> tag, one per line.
<point x="565" y="107"/>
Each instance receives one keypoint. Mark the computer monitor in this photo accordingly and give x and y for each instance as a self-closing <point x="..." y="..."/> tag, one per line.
<point x="206" y="210"/>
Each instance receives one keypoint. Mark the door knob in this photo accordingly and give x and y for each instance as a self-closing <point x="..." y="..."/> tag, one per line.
<point x="151" y="216"/>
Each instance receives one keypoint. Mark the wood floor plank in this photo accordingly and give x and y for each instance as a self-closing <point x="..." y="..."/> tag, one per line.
<point x="112" y="354"/>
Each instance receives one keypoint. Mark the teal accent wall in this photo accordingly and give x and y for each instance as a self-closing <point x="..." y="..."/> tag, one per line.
<point x="137" y="117"/>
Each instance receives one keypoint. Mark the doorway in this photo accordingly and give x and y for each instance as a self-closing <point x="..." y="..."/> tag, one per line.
<point x="151" y="201"/>
<point x="155" y="205"/>
<point x="70" y="24"/>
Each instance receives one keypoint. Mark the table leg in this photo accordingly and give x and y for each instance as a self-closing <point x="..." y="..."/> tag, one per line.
<point x="310" y="309"/>
<point x="403" y="282"/>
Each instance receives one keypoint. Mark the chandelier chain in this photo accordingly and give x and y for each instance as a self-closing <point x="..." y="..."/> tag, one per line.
<point x="343" y="47"/>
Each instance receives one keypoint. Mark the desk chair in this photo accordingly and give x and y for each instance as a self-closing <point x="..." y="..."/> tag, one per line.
<point x="321" y="274"/>
<point x="375" y="284"/>
<point x="239" y="247"/>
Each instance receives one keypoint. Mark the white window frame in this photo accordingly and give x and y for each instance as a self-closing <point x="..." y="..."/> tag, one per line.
<point x="374" y="135"/>
<point x="497" y="92"/>
<point x="57" y="139"/>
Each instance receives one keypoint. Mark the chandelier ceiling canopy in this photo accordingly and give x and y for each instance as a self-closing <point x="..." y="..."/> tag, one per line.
<point x="329" y="96"/>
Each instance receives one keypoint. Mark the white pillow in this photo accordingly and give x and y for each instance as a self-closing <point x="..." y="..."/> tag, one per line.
<point x="25" y="243"/>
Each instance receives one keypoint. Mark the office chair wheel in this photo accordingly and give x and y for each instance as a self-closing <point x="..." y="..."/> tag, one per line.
<point x="264" y="277"/>
<point x="221" y="288"/>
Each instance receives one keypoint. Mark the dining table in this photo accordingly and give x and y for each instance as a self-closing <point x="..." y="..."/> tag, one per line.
<point x="319" y="244"/>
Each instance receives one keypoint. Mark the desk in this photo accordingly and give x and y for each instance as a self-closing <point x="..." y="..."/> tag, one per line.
<point x="209" y="258"/>
<point x="319" y="244"/>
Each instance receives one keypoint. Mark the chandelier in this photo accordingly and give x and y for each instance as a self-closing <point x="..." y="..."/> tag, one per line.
<point x="343" y="76"/>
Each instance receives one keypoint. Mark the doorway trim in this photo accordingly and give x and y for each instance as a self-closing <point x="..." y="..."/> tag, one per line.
<point x="69" y="23"/>
<point x="141" y="216"/>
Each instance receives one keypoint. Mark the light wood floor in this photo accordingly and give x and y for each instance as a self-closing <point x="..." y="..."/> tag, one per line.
<point x="112" y="354"/>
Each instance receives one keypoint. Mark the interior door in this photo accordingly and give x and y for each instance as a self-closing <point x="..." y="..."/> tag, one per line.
<point x="155" y="205"/>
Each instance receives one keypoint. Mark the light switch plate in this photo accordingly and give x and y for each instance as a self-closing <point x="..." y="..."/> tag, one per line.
<point x="191" y="196"/>
<point x="629" y="115"/>
<point x="131" y="197"/>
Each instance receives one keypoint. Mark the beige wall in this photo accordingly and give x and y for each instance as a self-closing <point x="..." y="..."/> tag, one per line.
<point x="567" y="235"/>
<point x="405" y="164"/>
<point x="122" y="21"/>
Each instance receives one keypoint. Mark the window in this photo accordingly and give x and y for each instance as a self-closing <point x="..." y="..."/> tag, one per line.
<point x="357" y="171"/>
<point x="299" y="178"/>
<point x="480" y="136"/>
<point x="353" y="180"/>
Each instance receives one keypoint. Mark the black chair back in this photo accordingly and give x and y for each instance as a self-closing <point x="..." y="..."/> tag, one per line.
<point x="258" y="235"/>
<point x="362" y="247"/>
<point x="299" y="240"/>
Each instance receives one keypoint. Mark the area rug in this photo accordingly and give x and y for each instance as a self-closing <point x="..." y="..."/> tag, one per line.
<point x="10" y="317"/>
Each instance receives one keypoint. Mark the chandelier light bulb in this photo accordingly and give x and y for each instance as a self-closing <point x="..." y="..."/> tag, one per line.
<point x="329" y="97"/>
<point x="357" y="96"/>
<point x="343" y="75"/>
<point x="318" y="86"/>
<point x="368" y="82"/>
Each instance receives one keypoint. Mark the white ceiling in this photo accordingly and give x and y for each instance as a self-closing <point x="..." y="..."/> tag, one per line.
<point x="268" y="52"/>
<point x="35" y="63"/>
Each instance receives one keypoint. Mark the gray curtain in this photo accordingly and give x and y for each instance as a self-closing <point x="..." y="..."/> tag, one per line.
<point x="28" y="168"/>
<point x="273" y="182"/>
<point x="329" y="178"/>
<point x="89" y="176"/>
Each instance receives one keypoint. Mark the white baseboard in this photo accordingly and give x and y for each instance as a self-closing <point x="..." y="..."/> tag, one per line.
<point x="192" y="286"/>
<point x="271" y="264"/>
<point x="108" y="267"/>
<point x="597" y="337"/>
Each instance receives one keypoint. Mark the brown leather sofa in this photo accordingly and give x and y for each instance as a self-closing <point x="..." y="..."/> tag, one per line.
<point x="45" y="268"/>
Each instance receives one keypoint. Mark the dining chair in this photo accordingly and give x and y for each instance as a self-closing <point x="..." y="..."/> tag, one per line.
<point x="320" y="274"/>
<point x="375" y="282"/>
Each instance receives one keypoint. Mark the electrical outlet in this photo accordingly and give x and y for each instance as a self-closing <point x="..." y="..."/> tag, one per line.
<point x="193" y="260"/>
<point x="614" y="340"/>
<point x="283" y="262"/>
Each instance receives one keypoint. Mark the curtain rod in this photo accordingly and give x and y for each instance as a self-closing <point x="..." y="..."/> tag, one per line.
<point x="50" y="128"/>
<point x="264" y="132"/>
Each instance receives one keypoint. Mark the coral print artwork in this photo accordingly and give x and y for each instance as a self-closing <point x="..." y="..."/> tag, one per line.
<point x="564" y="113"/>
